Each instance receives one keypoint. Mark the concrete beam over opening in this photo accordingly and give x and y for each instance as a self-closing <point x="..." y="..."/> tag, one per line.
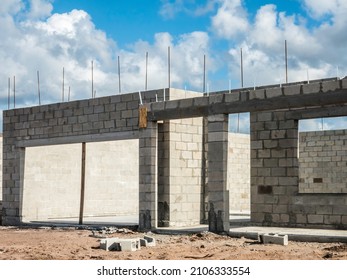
<point x="289" y="97"/>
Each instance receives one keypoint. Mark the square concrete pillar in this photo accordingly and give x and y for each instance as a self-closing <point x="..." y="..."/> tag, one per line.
<point x="148" y="185"/>
<point x="217" y="157"/>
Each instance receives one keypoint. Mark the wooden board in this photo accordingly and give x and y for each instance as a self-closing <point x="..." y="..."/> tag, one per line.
<point x="143" y="117"/>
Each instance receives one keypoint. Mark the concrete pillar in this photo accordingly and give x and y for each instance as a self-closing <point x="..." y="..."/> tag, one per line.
<point x="14" y="160"/>
<point x="217" y="157"/>
<point x="148" y="185"/>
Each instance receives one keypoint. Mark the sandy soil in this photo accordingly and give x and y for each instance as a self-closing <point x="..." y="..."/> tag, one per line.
<point x="72" y="244"/>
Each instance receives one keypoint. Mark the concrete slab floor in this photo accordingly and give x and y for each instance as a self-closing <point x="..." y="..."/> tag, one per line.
<point x="239" y="223"/>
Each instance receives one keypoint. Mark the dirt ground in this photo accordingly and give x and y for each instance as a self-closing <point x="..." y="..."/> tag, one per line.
<point x="83" y="244"/>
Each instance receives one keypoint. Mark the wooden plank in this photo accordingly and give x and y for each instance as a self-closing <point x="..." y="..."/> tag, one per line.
<point x="143" y="117"/>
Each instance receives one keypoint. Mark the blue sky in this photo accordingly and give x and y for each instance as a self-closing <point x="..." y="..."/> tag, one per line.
<point x="47" y="35"/>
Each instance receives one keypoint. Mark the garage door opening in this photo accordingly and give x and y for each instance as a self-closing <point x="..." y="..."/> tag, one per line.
<point x="52" y="183"/>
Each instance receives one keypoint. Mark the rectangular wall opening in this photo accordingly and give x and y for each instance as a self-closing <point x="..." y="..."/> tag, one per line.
<point x="239" y="167"/>
<point x="52" y="183"/>
<point x="323" y="156"/>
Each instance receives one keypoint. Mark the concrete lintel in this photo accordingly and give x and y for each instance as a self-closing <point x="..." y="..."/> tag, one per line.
<point x="309" y="113"/>
<point x="78" y="139"/>
<point x="295" y="101"/>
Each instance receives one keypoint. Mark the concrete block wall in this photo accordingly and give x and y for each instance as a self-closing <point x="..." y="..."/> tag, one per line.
<point x="0" y="168"/>
<point x="275" y="197"/>
<point x="52" y="179"/>
<point x="323" y="162"/>
<point x="179" y="185"/>
<point x="185" y="171"/>
<point x="239" y="170"/>
<point x="0" y="177"/>
<point x="52" y="182"/>
<point x="112" y="178"/>
<point x="113" y="115"/>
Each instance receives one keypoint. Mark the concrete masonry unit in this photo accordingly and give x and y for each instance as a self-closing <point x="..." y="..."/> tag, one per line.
<point x="184" y="149"/>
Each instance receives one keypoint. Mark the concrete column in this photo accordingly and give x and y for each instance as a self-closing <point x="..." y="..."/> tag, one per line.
<point x="148" y="185"/>
<point x="217" y="157"/>
<point x="14" y="159"/>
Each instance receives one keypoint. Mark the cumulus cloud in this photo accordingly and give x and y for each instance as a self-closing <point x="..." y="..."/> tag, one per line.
<point x="231" y="19"/>
<point x="169" y="9"/>
<point x="72" y="41"/>
<point x="40" y="9"/>
<point x="317" y="50"/>
<point x="320" y="8"/>
<point x="9" y="7"/>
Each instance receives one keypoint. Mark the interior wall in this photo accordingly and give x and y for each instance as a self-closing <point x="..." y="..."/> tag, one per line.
<point x="185" y="172"/>
<point x="239" y="173"/>
<point x="1" y="167"/>
<point x="112" y="178"/>
<point x="52" y="180"/>
<point x="323" y="162"/>
<point x="52" y="177"/>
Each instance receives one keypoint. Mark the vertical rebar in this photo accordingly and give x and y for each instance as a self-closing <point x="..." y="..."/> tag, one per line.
<point x="119" y="83"/>
<point x="92" y="79"/>
<point x="146" y="81"/>
<point x="169" y="66"/>
<point x="69" y="95"/>
<point x="241" y="69"/>
<point x="14" y="92"/>
<point x="204" y="76"/>
<point x="9" y="94"/>
<point x="63" y="86"/>
<point x="38" y="87"/>
<point x="286" y="59"/>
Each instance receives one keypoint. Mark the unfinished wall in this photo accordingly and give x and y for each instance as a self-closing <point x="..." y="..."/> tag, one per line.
<point x="323" y="162"/>
<point x="239" y="173"/>
<point x="275" y="197"/>
<point x="180" y="169"/>
<point x="185" y="171"/>
<point x="0" y="168"/>
<point x="52" y="182"/>
<point x="1" y="177"/>
<point x="112" y="178"/>
<point x="100" y="119"/>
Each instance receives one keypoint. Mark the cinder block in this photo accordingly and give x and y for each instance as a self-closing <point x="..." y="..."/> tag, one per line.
<point x="116" y="244"/>
<point x="311" y="88"/>
<point x="147" y="241"/>
<point x="257" y="94"/>
<point x="273" y="92"/>
<point x="330" y="86"/>
<point x="129" y="245"/>
<point x="292" y="90"/>
<point x="273" y="238"/>
<point x="108" y="244"/>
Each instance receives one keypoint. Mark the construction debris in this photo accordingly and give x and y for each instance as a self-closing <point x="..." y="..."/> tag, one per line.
<point x="129" y="245"/>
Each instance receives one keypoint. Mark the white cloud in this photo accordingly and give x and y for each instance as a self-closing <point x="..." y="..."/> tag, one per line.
<point x="230" y="20"/>
<point x="320" y="8"/>
<point x="40" y="9"/>
<point x="9" y="7"/>
<point x="169" y="9"/>
<point x="319" y="49"/>
<point x="72" y="41"/>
